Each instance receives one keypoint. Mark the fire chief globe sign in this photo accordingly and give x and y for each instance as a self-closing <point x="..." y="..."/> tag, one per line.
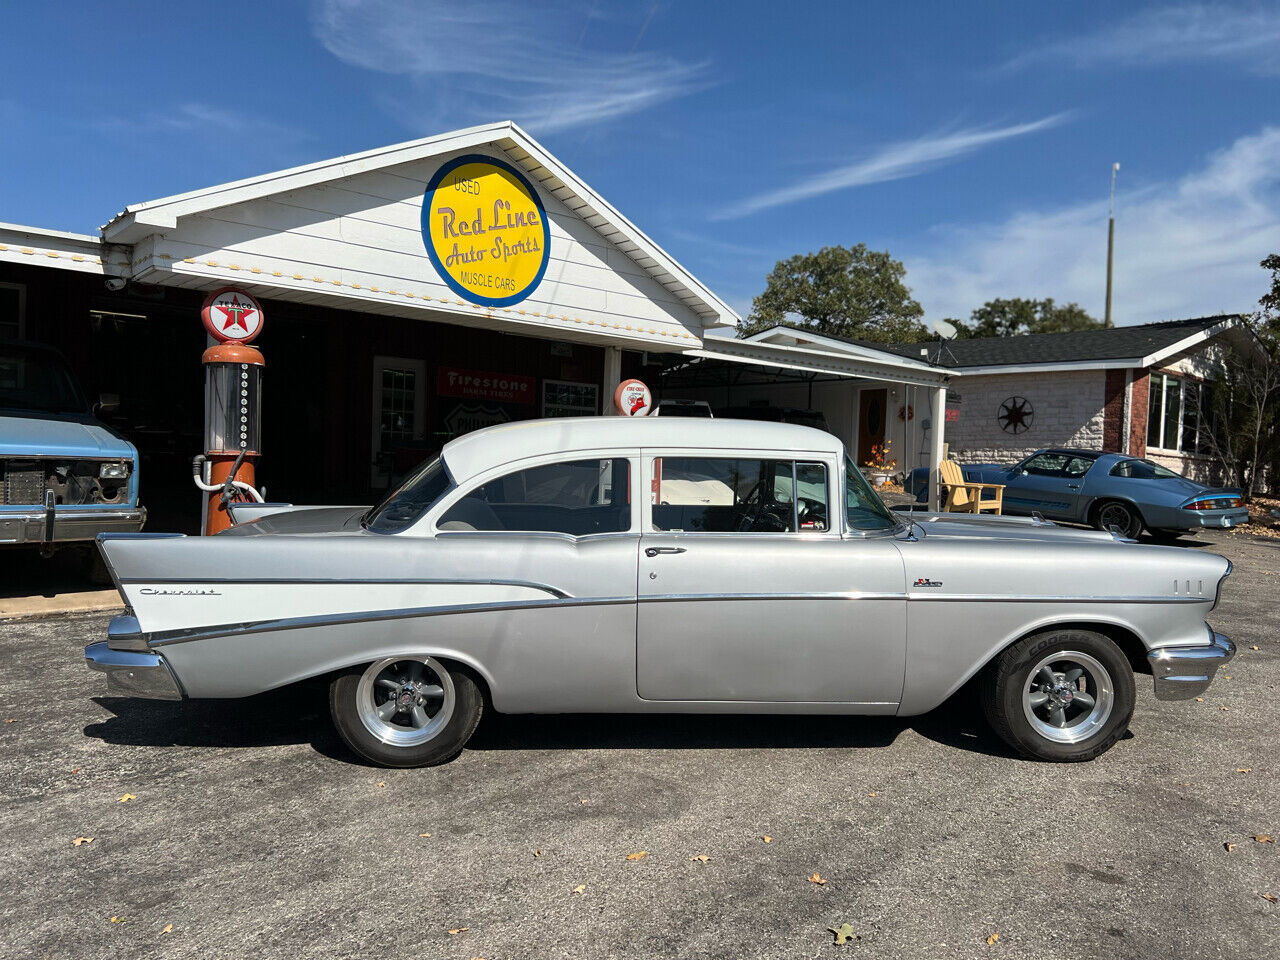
<point x="485" y="230"/>
<point x="231" y="315"/>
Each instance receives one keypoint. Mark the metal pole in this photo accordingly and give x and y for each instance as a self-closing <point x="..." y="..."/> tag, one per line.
<point x="1111" y="240"/>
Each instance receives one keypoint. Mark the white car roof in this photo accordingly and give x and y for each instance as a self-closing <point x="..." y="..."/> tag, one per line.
<point x="475" y="453"/>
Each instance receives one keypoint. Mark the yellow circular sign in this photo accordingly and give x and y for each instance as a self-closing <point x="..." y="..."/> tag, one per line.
<point x="485" y="230"/>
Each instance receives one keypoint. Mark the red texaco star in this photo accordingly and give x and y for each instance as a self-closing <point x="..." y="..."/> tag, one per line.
<point x="235" y="314"/>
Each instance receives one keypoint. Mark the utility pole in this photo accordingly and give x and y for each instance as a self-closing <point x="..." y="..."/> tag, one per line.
<point x="1111" y="240"/>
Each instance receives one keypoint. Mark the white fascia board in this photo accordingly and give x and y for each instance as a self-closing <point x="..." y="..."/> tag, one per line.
<point x="1073" y="366"/>
<point x="141" y="219"/>
<point x="832" y="345"/>
<point x="1189" y="343"/>
<point x="817" y="361"/>
<point x="80" y="252"/>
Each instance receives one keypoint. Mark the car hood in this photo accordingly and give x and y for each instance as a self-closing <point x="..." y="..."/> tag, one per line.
<point x="60" y="435"/>
<point x="298" y="522"/>
<point x="985" y="527"/>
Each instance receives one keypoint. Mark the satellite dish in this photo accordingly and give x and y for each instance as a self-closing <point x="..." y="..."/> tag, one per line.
<point x="947" y="331"/>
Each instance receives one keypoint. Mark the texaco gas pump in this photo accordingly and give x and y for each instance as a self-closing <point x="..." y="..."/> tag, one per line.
<point x="232" y="405"/>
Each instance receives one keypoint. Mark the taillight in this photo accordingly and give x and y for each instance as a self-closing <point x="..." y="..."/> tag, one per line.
<point x="1222" y="503"/>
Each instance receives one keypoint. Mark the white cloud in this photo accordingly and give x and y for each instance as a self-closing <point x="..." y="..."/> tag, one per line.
<point x="472" y="62"/>
<point x="1247" y="36"/>
<point x="893" y="162"/>
<point x="1183" y="249"/>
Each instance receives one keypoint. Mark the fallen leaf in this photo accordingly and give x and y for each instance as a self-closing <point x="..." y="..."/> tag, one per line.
<point x="117" y="919"/>
<point x="382" y="783"/>
<point x="1199" y="699"/>
<point x="1272" y="898"/>
<point x="818" y="880"/>
<point x="1244" y="769"/>
<point x="1254" y="647"/>
<point x="1226" y="676"/>
<point x="454" y="933"/>
<point x="76" y="770"/>
<point x="168" y="928"/>
<point x="767" y="839"/>
<point x="1263" y="838"/>
<point x="873" y="794"/>
<point x="127" y="797"/>
<point x="424" y="834"/>
<point x="582" y="799"/>
<point x="1229" y="847"/>
<point x="701" y="858"/>
<point x="1223" y="709"/>
<point x="581" y="889"/>
<point x="81" y="841"/>
<point x="537" y="853"/>
<point x="843" y="933"/>
<point x="991" y="940"/>
<point x="11" y="720"/>
<point x="638" y="855"/>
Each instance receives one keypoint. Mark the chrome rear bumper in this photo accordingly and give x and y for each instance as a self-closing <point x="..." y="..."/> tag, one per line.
<point x="131" y="673"/>
<point x="1185" y="672"/>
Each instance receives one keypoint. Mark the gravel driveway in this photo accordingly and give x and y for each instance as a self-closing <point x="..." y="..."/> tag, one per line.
<point x="240" y="829"/>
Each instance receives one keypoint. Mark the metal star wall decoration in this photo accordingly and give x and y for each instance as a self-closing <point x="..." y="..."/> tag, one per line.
<point x="1015" y="415"/>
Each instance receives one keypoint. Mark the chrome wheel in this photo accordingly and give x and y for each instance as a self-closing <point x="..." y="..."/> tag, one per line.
<point x="1117" y="516"/>
<point x="1068" y="697"/>
<point x="405" y="702"/>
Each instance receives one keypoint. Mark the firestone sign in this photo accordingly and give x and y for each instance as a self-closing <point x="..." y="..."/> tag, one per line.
<point x="485" y="230"/>
<point x="482" y="385"/>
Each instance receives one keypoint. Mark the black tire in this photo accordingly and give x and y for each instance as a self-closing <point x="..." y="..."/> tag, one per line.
<point x="1117" y="513"/>
<point x="1011" y="673"/>
<point x="345" y="696"/>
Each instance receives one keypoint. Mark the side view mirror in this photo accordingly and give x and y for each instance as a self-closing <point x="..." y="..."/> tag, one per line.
<point x="107" y="403"/>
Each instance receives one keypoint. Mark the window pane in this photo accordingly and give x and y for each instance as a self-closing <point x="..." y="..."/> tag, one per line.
<point x="577" y="497"/>
<point x="811" y="497"/>
<point x="862" y="508"/>
<point x="714" y="495"/>
<point x="1047" y="465"/>
<point x="1190" y="415"/>
<point x="1172" y="411"/>
<point x="1154" y="393"/>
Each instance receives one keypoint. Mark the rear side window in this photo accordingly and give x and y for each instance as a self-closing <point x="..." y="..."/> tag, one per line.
<point x="723" y="495"/>
<point x="577" y="497"/>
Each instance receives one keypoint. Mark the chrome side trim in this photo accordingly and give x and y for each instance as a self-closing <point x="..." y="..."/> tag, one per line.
<point x="1181" y="673"/>
<point x="189" y="634"/>
<point x="449" y="581"/>
<point x="999" y="598"/>
<point x="837" y="595"/>
<point x="133" y="674"/>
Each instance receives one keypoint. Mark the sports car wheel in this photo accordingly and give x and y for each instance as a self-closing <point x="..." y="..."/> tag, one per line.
<point x="1119" y="516"/>
<point x="1064" y="696"/>
<point x="405" y="711"/>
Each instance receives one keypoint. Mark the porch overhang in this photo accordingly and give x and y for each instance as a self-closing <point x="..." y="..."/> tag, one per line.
<point x="863" y="365"/>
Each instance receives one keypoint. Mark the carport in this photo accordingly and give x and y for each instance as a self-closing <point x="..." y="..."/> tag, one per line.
<point x="863" y="392"/>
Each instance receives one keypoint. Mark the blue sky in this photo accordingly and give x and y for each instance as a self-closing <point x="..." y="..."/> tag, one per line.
<point x="973" y="141"/>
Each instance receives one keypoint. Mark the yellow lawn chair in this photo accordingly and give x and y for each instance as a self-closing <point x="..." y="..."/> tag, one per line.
<point x="960" y="496"/>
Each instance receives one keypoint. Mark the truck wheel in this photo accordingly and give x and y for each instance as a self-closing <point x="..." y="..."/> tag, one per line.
<point x="405" y="711"/>
<point x="1119" y="515"/>
<point x="1063" y="695"/>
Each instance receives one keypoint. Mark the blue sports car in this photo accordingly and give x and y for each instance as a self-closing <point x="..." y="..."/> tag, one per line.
<point x="1110" y="491"/>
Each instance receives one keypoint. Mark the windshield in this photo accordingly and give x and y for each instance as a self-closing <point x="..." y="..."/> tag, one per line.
<point x="1143" y="470"/>
<point x="410" y="500"/>
<point x="37" y="380"/>
<point x="863" y="510"/>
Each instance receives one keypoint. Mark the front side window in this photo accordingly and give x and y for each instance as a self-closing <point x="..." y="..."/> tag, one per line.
<point x="410" y="500"/>
<point x="863" y="510"/>
<point x="575" y="497"/>
<point x="1047" y="465"/>
<point x="730" y="495"/>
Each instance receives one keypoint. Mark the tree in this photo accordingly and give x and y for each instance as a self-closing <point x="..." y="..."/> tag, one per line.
<point x="1011" y="318"/>
<point x="840" y="291"/>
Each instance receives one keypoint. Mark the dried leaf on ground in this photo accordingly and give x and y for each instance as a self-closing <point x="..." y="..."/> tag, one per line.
<point x="1244" y="769"/>
<point x="424" y="834"/>
<point x="844" y="933"/>
<point x="382" y="783"/>
<point x="991" y="940"/>
<point x="701" y="858"/>
<point x="117" y="919"/>
<point x="579" y="889"/>
<point x="168" y="928"/>
<point x="638" y="855"/>
<point x="1254" y="647"/>
<point x="11" y="720"/>
<point x="458" y="930"/>
<point x="767" y="839"/>
<point x="1229" y="847"/>
<point x="537" y="853"/>
<point x="127" y="797"/>
<point x="817" y="879"/>
<point x="76" y="770"/>
<point x="81" y="841"/>
<point x="1199" y="699"/>
<point x="1263" y="838"/>
<point x="1270" y="897"/>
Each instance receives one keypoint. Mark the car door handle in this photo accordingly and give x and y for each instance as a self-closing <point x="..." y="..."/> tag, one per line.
<point x="654" y="551"/>
<point x="1073" y="486"/>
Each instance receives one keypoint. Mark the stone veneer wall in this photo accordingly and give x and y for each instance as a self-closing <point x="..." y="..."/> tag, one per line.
<point x="1068" y="412"/>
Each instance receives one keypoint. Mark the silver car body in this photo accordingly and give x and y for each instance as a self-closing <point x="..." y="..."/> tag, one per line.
<point x="833" y="620"/>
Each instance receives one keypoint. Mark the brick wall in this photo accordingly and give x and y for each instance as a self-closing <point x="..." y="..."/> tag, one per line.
<point x="1068" y="411"/>
<point x="1139" y="396"/>
<point x="1113" y="409"/>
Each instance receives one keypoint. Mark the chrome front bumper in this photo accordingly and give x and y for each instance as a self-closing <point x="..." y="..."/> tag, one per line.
<point x="132" y="673"/>
<point x="1185" y="672"/>
<point x="69" y="524"/>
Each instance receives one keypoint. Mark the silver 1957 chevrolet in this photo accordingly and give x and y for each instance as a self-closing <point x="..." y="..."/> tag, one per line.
<point x="658" y="565"/>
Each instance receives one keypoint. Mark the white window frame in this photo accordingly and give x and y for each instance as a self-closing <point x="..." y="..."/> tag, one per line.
<point x="22" y="306"/>
<point x="1182" y="380"/>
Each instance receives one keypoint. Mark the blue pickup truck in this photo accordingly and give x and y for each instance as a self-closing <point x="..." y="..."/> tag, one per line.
<point x="64" y="475"/>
